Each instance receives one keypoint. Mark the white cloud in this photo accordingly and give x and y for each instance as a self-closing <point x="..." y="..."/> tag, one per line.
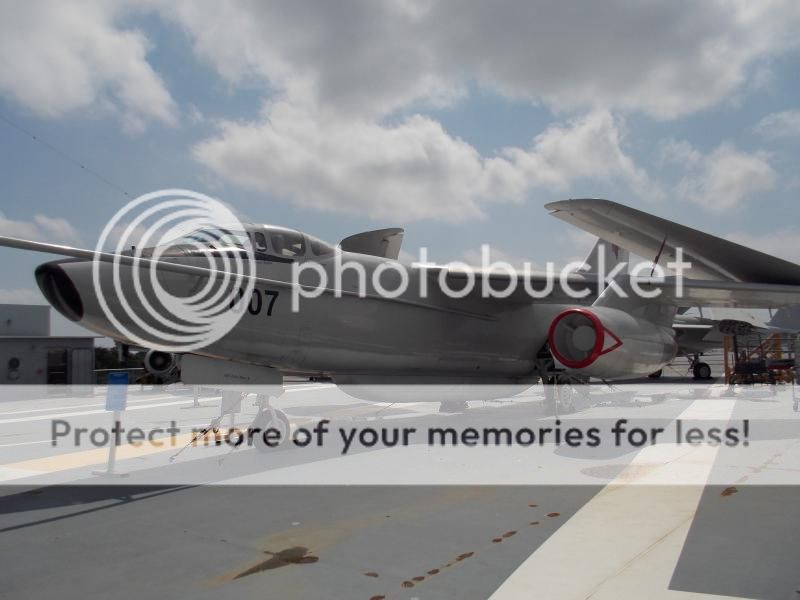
<point x="723" y="179"/>
<point x="410" y="171"/>
<point x="591" y="148"/>
<point x="784" y="124"/>
<point x="369" y="58"/>
<point x="413" y="170"/>
<point x="42" y="228"/>
<point x="574" y="246"/>
<point x="361" y="58"/>
<point x="58" y="57"/>
<point x="679" y="152"/>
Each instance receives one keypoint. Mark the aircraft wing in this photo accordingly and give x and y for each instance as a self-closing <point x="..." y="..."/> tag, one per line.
<point x="123" y="259"/>
<point x="167" y="266"/>
<point x="650" y="236"/>
<point x="734" y="294"/>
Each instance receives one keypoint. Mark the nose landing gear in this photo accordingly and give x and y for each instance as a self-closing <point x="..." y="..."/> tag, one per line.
<point x="270" y="424"/>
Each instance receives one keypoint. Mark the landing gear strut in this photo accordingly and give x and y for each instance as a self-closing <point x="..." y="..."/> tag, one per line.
<point x="270" y="418"/>
<point x="700" y="370"/>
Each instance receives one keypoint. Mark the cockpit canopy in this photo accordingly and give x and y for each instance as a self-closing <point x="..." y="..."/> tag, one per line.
<point x="214" y="238"/>
<point x="288" y="243"/>
<point x="265" y="240"/>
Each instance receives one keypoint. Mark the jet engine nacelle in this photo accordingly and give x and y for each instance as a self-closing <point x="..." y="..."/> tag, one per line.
<point x="608" y="343"/>
<point x="160" y="364"/>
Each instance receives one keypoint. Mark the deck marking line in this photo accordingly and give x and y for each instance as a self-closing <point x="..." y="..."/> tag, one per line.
<point x="626" y="541"/>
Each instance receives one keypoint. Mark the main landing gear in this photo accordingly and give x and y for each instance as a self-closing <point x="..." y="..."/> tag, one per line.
<point x="699" y="369"/>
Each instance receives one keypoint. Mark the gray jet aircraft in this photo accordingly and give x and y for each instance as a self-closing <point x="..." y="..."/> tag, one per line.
<point x="423" y="335"/>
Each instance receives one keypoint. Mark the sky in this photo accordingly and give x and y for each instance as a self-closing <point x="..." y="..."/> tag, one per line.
<point x="457" y="120"/>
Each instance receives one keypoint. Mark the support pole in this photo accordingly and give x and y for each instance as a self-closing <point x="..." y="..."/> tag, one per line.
<point x="111" y="465"/>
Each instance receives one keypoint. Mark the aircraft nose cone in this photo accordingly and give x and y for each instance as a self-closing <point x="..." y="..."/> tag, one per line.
<point x="59" y="290"/>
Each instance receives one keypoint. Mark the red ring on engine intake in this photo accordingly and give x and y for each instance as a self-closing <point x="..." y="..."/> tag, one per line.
<point x="597" y="350"/>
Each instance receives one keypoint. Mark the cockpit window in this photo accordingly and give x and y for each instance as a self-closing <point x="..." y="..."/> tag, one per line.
<point x="288" y="244"/>
<point x="215" y="238"/>
<point x="319" y="248"/>
<point x="261" y="241"/>
<point x="232" y="238"/>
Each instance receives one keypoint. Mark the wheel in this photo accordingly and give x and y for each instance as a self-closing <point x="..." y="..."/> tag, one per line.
<point x="265" y="421"/>
<point x="656" y="374"/>
<point x="701" y="370"/>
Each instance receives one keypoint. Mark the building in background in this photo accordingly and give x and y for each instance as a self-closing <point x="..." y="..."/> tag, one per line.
<point x="30" y="355"/>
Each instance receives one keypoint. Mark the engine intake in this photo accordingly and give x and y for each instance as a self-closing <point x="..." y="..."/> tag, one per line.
<point x="609" y="343"/>
<point x="160" y="364"/>
<point x="577" y="338"/>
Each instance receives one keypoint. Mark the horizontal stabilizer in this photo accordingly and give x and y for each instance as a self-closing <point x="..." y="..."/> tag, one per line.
<point x="732" y="294"/>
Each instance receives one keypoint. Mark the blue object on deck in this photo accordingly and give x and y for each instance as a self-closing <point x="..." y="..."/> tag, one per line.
<point x="117" y="395"/>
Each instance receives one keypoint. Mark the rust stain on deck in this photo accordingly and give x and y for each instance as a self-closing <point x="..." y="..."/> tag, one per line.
<point x="297" y="555"/>
<point x="465" y="555"/>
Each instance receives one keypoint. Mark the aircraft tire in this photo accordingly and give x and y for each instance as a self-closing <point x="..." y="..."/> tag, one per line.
<point x="701" y="370"/>
<point x="265" y="421"/>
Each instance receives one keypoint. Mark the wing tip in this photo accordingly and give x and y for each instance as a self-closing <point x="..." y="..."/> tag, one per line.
<point x="573" y="203"/>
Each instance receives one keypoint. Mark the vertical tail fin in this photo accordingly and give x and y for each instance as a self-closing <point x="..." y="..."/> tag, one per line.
<point x="604" y="257"/>
<point x="787" y="318"/>
<point x="623" y="296"/>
